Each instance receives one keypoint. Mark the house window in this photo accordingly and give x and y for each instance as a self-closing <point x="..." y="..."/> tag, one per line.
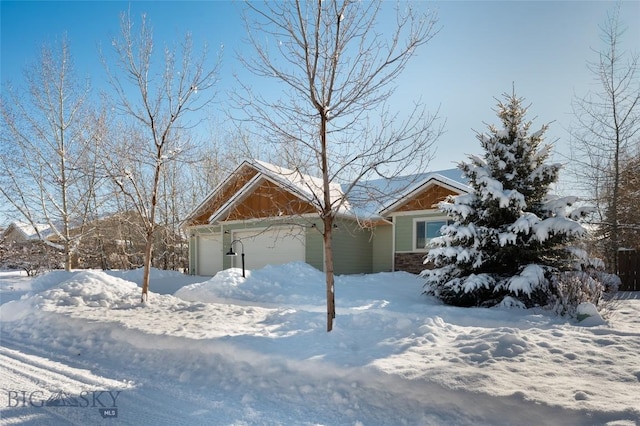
<point x="425" y="230"/>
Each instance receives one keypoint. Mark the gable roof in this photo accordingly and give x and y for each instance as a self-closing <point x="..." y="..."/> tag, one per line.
<point x="308" y="187"/>
<point x="28" y="231"/>
<point x="380" y="197"/>
<point x="452" y="179"/>
<point x="372" y="199"/>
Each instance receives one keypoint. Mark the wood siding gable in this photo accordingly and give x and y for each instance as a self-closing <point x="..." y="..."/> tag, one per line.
<point x="426" y="199"/>
<point x="222" y="195"/>
<point x="268" y="200"/>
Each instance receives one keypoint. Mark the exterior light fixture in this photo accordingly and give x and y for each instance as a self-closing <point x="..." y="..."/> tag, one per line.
<point x="233" y="253"/>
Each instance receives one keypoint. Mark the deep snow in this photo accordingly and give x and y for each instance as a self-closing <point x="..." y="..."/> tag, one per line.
<point x="254" y="351"/>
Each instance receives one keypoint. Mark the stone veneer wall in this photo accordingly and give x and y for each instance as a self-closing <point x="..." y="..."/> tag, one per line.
<point x="411" y="262"/>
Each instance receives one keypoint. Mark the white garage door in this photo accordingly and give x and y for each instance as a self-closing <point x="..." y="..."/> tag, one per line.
<point x="209" y="259"/>
<point x="272" y="246"/>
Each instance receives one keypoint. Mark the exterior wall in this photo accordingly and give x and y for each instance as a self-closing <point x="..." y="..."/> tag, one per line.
<point x="404" y="228"/>
<point x="12" y="234"/>
<point x="423" y="206"/>
<point x="233" y="186"/>
<point x="403" y="233"/>
<point x="410" y="262"/>
<point x="382" y="251"/>
<point x="314" y="251"/>
<point x="352" y="249"/>
<point x="426" y="200"/>
<point x="267" y="201"/>
<point x="193" y="255"/>
<point x="406" y="258"/>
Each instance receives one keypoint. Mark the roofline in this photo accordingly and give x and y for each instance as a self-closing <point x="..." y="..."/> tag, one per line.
<point x="307" y="194"/>
<point x="409" y="193"/>
<point x="236" y="196"/>
<point x="263" y="172"/>
<point x="277" y="179"/>
<point x="193" y="212"/>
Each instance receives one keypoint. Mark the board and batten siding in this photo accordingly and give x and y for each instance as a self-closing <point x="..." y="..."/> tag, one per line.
<point x="382" y="256"/>
<point x="352" y="252"/>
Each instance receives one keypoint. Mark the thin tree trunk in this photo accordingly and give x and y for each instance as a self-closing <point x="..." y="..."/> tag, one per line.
<point x="148" y="251"/>
<point x="328" y="270"/>
<point x="327" y="218"/>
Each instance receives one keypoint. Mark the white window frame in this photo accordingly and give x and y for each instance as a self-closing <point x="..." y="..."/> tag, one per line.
<point x="414" y="232"/>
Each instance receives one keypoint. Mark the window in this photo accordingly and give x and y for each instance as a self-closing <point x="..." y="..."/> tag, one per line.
<point x="425" y="230"/>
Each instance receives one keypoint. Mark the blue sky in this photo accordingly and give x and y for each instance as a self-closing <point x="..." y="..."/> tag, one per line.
<point x="482" y="49"/>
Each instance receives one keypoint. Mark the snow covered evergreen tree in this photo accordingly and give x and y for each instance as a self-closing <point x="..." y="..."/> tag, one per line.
<point x="508" y="237"/>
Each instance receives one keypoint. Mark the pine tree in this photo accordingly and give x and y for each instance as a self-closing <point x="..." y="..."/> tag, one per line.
<point x="508" y="237"/>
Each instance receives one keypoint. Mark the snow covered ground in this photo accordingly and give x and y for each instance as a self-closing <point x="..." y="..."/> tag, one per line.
<point x="79" y="348"/>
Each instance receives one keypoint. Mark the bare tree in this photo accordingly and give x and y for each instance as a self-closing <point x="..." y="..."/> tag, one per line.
<point x="336" y="72"/>
<point x="155" y="100"/>
<point x="47" y="159"/>
<point x="629" y="193"/>
<point x="607" y="121"/>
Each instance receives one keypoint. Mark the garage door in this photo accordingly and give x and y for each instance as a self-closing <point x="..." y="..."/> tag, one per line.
<point x="209" y="259"/>
<point x="272" y="246"/>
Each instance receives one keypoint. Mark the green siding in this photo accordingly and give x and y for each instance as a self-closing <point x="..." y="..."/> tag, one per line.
<point x="352" y="249"/>
<point x="404" y="233"/>
<point x="382" y="257"/>
<point x="404" y="230"/>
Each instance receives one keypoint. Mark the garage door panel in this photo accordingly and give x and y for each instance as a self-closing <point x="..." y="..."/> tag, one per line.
<point x="270" y="247"/>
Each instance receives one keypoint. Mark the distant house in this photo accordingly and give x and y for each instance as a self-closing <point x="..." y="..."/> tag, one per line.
<point x="18" y="232"/>
<point x="117" y="241"/>
<point x="270" y="213"/>
<point x="28" y="247"/>
<point x="114" y="241"/>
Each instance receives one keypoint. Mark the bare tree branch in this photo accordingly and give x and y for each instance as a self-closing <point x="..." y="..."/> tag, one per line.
<point x="337" y="72"/>
<point x="607" y="125"/>
<point x="156" y="98"/>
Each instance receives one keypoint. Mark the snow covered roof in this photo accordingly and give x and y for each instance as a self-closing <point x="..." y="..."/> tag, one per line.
<point x="371" y="199"/>
<point x="450" y="178"/>
<point x="309" y="187"/>
<point x="29" y="231"/>
<point x="377" y="198"/>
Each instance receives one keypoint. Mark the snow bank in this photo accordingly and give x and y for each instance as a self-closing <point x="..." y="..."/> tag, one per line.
<point x="254" y="351"/>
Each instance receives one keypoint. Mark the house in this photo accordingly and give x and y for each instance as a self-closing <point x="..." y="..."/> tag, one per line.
<point x="19" y="232"/>
<point x="269" y="213"/>
<point x="28" y="247"/>
<point x="117" y="241"/>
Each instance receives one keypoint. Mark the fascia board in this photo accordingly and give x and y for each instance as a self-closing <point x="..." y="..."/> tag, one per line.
<point x="252" y="184"/>
<point x="214" y="192"/>
<point x="239" y="195"/>
<point x="303" y="192"/>
<point x="432" y="179"/>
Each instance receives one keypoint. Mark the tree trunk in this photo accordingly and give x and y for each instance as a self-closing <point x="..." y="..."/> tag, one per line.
<point x="151" y="226"/>
<point x="148" y="251"/>
<point x="328" y="271"/>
